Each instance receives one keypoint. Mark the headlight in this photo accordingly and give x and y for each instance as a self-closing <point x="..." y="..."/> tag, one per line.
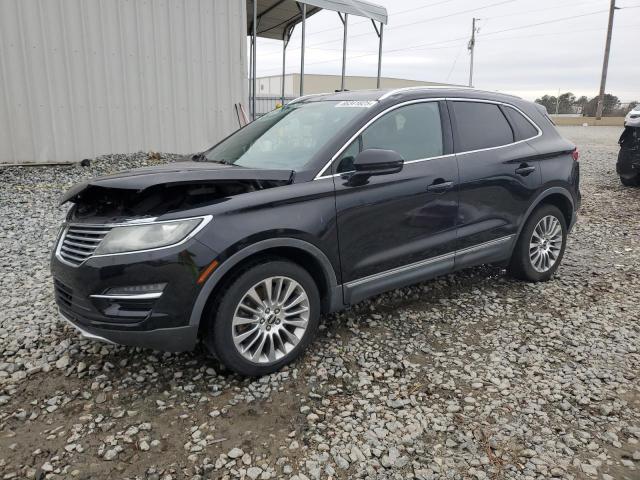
<point x="131" y="238"/>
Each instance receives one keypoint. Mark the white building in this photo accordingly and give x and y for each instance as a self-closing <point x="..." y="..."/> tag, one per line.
<point x="316" y="83"/>
<point x="80" y="78"/>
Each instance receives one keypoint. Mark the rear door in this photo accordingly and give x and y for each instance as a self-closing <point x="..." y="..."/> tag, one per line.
<point x="393" y="230"/>
<point x="499" y="176"/>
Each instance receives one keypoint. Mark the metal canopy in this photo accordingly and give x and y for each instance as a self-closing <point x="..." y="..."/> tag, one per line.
<point x="276" y="19"/>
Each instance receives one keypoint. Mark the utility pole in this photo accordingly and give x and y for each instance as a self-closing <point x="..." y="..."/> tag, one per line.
<point x="471" y="47"/>
<point x="605" y="64"/>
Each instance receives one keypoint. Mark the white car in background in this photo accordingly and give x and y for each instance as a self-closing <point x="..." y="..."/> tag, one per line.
<point x="633" y="117"/>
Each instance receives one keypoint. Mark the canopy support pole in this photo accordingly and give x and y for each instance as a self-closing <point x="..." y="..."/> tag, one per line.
<point x="253" y="60"/>
<point x="285" y="43"/>
<point x="304" y="25"/>
<point x="379" y="33"/>
<point x="344" y="47"/>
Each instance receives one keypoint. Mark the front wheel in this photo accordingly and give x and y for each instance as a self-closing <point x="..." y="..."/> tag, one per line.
<point x="540" y="247"/>
<point x="265" y="318"/>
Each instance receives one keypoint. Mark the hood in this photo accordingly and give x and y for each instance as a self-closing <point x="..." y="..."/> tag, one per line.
<point x="178" y="173"/>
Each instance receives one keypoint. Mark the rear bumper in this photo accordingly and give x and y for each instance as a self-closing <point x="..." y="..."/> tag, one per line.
<point x="177" y="339"/>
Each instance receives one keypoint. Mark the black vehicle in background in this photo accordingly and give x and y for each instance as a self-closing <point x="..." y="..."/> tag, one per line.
<point x="628" y="166"/>
<point x="309" y="209"/>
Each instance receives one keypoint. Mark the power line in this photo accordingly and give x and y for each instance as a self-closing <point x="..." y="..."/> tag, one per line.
<point x="546" y="9"/>
<point x="572" y="17"/>
<point x="360" y="22"/>
<point x="420" y="22"/>
<point x="432" y="45"/>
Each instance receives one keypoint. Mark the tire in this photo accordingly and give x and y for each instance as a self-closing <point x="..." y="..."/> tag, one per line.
<point x="541" y="264"/>
<point x="630" y="182"/>
<point x="253" y="338"/>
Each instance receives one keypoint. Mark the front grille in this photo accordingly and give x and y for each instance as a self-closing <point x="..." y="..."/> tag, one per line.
<point x="80" y="241"/>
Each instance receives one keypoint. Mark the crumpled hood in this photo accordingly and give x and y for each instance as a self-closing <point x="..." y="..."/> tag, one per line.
<point x="174" y="174"/>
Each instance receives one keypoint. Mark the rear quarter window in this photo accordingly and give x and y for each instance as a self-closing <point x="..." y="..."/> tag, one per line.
<point x="480" y="125"/>
<point x="523" y="129"/>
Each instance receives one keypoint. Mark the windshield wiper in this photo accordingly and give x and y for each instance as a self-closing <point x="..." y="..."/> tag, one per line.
<point x="201" y="157"/>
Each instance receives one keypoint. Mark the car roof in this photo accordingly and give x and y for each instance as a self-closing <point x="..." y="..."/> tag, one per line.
<point x="406" y="93"/>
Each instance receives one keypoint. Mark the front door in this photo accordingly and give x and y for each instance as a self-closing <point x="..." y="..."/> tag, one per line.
<point x="398" y="228"/>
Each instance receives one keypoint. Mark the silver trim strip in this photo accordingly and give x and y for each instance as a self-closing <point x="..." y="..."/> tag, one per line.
<point x="84" y="333"/>
<point x="397" y="270"/>
<point x="422" y="263"/>
<point x="205" y="220"/>
<point x="321" y="174"/>
<point x="135" y="296"/>
<point x="481" y="246"/>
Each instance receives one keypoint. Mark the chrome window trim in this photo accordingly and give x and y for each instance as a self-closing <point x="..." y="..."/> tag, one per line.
<point x="363" y="128"/>
<point x="322" y="175"/>
<point x="508" y="105"/>
<point x="428" y="261"/>
<point x="205" y="219"/>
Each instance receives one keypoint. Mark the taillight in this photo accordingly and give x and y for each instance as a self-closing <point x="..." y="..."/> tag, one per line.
<point x="575" y="154"/>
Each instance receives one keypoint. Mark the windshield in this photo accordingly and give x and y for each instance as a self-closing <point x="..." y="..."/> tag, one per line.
<point x="286" y="138"/>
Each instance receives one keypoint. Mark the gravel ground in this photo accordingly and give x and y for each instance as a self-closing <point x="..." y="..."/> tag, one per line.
<point x="473" y="375"/>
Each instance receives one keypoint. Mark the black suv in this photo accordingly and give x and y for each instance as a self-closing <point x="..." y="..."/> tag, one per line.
<point x="309" y="209"/>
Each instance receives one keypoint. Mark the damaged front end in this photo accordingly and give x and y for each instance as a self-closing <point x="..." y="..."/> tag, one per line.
<point x="628" y="165"/>
<point x="128" y="263"/>
<point x="151" y="192"/>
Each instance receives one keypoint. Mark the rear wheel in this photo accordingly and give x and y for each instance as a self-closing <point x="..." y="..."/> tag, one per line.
<point x="630" y="182"/>
<point x="265" y="318"/>
<point x="540" y="247"/>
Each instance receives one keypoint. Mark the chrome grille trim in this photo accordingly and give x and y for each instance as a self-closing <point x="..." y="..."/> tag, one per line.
<point x="79" y="242"/>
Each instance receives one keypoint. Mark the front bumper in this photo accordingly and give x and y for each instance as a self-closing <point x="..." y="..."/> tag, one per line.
<point x="178" y="339"/>
<point x="161" y="323"/>
<point x="628" y="164"/>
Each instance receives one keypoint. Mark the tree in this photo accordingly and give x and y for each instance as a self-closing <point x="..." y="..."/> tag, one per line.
<point x="549" y="102"/>
<point x="611" y="104"/>
<point x="563" y="104"/>
<point x="581" y="103"/>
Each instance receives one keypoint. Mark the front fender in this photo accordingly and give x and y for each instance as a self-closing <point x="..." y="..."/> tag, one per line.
<point x="335" y="300"/>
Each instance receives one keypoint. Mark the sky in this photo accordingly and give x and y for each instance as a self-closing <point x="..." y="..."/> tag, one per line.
<point x="523" y="47"/>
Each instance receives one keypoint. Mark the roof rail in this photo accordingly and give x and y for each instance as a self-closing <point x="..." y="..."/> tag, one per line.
<point x="297" y="99"/>
<point x="423" y="87"/>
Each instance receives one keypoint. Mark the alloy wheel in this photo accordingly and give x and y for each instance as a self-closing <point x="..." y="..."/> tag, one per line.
<point x="545" y="244"/>
<point x="270" y="319"/>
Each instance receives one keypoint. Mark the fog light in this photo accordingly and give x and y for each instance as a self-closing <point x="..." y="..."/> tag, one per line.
<point x="136" y="289"/>
<point x="134" y="292"/>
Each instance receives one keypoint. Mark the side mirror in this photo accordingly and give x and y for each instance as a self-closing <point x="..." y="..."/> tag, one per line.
<point x="375" y="161"/>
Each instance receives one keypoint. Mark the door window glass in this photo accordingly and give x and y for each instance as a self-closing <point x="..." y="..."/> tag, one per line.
<point x="480" y="125"/>
<point x="523" y="129"/>
<point x="414" y="131"/>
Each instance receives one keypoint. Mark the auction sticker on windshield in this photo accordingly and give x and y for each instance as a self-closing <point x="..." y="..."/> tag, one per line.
<point x="356" y="103"/>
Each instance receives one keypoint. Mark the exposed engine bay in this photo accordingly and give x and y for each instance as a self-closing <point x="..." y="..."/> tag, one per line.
<point x="154" y="191"/>
<point x="103" y="202"/>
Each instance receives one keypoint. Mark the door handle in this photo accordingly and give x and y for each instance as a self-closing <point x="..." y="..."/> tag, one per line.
<point x="440" y="186"/>
<point x="525" y="169"/>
